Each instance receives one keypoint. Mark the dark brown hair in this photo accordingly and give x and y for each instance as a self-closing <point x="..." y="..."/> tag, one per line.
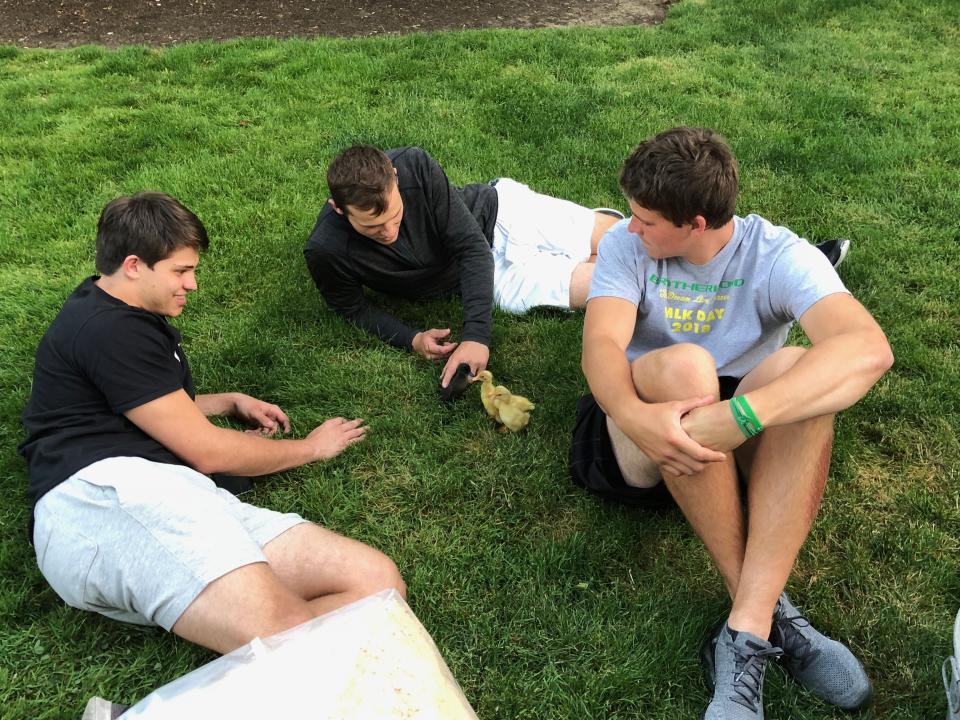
<point x="682" y="173"/>
<point x="150" y="225"/>
<point x="360" y="177"/>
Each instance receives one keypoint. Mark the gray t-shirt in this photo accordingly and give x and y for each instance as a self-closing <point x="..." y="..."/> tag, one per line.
<point x="739" y="306"/>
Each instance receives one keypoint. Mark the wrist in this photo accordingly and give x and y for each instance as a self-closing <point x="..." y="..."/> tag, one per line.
<point x="744" y="416"/>
<point x="622" y="409"/>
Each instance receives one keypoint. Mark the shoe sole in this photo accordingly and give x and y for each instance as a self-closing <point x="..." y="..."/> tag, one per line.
<point x="708" y="656"/>
<point x="610" y="211"/>
<point x="844" y="249"/>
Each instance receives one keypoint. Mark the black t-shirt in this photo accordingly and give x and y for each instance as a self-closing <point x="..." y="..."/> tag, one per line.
<point x="99" y="358"/>
<point x="443" y="247"/>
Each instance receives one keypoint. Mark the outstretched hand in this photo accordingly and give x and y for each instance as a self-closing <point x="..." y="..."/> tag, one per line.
<point x="658" y="431"/>
<point x="429" y="344"/>
<point x="265" y="418"/>
<point x="336" y="435"/>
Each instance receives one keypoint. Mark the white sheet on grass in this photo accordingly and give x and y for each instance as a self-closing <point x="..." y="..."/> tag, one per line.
<point x="370" y="659"/>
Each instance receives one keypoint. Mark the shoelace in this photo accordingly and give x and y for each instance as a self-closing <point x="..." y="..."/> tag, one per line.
<point x="748" y="682"/>
<point x="796" y="646"/>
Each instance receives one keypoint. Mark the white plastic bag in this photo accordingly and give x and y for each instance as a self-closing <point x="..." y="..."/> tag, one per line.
<point x="368" y="660"/>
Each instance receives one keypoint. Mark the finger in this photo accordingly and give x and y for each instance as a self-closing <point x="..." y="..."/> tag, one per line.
<point x="685" y="406"/>
<point x="353" y="423"/>
<point x="447" y="348"/>
<point x="437" y="333"/>
<point x="280" y="418"/>
<point x="449" y="370"/>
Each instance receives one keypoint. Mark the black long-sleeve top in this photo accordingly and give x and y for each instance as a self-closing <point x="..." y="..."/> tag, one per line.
<point x="443" y="247"/>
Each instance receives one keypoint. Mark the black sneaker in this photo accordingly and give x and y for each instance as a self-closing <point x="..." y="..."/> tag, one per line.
<point x="740" y="661"/>
<point x="835" y="250"/>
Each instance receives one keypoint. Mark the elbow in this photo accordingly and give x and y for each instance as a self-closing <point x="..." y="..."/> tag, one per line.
<point x="880" y="357"/>
<point x="204" y="465"/>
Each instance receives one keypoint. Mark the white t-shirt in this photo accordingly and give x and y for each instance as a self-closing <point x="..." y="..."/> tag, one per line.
<point x="739" y="306"/>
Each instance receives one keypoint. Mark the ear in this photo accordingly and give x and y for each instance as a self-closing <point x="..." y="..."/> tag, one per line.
<point x="699" y="223"/>
<point x="332" y="204"/>
<point x="132" y="267"/>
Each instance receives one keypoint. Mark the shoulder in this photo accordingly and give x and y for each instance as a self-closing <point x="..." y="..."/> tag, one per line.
<point x="410" y="156"/>
<point x="330" y="230"/>
<point x="416" y="169"/>
<point x="620" y="245"/>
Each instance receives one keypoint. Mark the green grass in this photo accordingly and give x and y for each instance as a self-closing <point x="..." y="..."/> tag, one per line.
<point x="546" y="604"/>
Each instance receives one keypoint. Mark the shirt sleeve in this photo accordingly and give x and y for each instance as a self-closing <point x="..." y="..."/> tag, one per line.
<point x="617" y="270"/>
<point x="465" y="241"/>
<point x="130" y="358"/>
<point x="799" y="277"/>
<point x="343" y="293"/>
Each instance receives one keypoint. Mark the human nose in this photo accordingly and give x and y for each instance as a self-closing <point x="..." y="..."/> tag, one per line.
<point x="189" y="281"/>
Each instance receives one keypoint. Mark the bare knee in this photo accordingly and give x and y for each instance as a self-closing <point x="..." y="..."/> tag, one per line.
<point x="772" y="367"/>
<point x="675" y="373"/>
<point x="380" y="573"/>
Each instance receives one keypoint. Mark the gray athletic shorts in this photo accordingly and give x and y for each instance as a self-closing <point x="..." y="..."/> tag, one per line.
<point x="138" y="541"/>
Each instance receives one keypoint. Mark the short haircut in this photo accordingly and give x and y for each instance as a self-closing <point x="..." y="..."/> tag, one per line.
<point x="150" y="225"/>
<point x="682" y="173"/>
<point x="360" y="177"/>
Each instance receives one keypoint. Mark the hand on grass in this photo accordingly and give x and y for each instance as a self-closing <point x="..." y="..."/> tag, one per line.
<point x="429" y="344"/>
<point x="336" y="435"/>
<point x="265" y="418"/>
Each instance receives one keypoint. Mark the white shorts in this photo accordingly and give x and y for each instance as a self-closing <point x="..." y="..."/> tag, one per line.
<point x="537" y="243"/>
<point x="138" y="541"/>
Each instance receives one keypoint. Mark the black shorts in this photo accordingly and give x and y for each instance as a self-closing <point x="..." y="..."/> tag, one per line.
<point x="593" y="465"/>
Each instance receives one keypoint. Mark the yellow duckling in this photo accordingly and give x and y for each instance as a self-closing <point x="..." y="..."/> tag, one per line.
<point x="512" y="411"/>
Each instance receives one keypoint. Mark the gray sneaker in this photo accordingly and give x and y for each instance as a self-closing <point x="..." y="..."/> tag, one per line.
<point x="740" y="660"/>
<point x="823" y="666"/>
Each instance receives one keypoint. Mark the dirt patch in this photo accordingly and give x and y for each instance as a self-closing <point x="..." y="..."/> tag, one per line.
<point x="67" y="23"/>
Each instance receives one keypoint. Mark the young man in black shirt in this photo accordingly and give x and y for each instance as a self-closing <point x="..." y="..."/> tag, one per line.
<point x="126" y="521"/>
<point x="395" y="223"/>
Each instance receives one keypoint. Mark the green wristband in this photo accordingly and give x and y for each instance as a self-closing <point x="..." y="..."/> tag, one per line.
<point x="745" y="417"/>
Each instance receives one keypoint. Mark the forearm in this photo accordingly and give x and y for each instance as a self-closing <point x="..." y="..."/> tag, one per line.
<point x="829" y="377"/>
<point x="238" y="453"/>
<point x="384" y="326"/>
<point x="217" y="403"/>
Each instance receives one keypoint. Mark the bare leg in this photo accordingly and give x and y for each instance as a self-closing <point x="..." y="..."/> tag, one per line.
<point x="601" y="223"/>
<point x="787" y="468"/>
<point x="310" y="571"/>
<point x="710" y="500"/>
<point x="583" y="273"/>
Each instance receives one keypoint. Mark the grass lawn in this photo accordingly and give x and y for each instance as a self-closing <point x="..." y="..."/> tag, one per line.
<point x="546" y="604"/>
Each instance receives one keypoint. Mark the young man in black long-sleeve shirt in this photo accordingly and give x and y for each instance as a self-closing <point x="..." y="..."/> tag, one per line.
<point x="396" y="224"/>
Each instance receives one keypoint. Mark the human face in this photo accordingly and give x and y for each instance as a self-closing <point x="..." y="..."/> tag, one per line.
<point x="163" y="288"/>
<point x="383" y="228"/>
<point x="660" y="237"/>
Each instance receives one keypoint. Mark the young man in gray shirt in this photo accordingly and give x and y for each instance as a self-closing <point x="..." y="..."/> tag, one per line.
<point x="683" y="349"/>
